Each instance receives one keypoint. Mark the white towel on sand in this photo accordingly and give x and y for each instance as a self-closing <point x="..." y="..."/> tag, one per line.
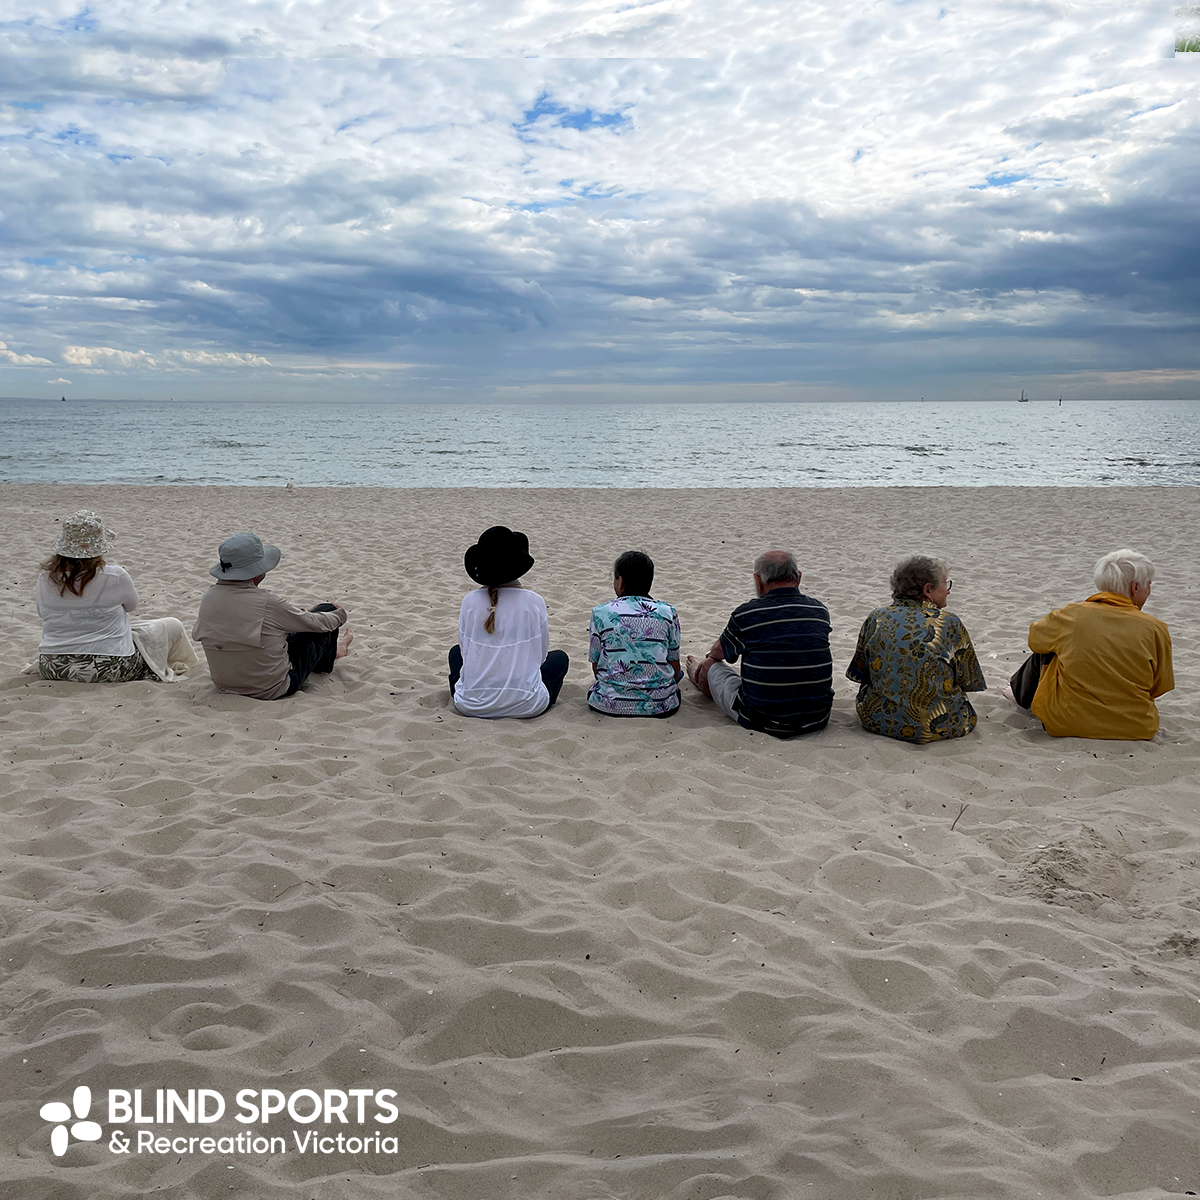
<point x="164" y="644"/>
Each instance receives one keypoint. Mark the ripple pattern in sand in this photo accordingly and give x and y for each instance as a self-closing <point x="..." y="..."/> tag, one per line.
<point x="601" y="959"/>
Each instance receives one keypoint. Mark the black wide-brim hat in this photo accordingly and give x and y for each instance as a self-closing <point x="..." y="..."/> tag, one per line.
<point x="500" y="556"/>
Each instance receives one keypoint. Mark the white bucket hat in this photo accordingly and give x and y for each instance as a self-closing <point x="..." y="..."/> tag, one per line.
<point x="83" y="535"/>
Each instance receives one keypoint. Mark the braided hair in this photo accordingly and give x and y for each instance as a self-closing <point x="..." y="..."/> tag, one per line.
<point x="493" y="597"/>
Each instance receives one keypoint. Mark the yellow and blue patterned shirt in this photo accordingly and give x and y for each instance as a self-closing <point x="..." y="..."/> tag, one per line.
<point x="914" y="662"/>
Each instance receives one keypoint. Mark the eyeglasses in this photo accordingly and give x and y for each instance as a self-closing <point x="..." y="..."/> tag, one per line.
<point x="949" y="584"/>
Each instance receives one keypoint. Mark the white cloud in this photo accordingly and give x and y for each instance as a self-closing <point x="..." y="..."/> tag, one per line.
<point x="385" y="187"/>
<point x="205" y="358"/>
<point x="94" y="356"/>
<point x="21" y="360"/>
<point x="170" y="360"/>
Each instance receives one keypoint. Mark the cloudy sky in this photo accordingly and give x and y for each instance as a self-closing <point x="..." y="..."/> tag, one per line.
<point x="600" y="199"/>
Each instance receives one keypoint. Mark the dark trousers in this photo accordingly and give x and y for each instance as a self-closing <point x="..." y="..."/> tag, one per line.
<point x="309" y="652"/>
<point x="554" y="671"/>
<point x="1024" y="682"/>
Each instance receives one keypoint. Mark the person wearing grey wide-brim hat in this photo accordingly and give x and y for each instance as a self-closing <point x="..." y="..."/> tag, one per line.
<point x="256" y="643"/>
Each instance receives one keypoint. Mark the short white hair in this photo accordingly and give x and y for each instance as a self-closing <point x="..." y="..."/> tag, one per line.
<point x="1115" y="572"/>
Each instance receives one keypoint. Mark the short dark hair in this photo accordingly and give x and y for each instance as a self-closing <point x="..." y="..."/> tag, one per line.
<point x="912" y="574"/>
<point x="636" y="571"/>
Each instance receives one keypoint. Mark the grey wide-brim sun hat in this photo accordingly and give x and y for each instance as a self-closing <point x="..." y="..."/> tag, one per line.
<point x="82" y="535"/>
<point x="243" y="556"/>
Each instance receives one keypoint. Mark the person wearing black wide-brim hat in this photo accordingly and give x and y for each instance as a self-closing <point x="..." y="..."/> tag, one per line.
<point x="503" y="665"/>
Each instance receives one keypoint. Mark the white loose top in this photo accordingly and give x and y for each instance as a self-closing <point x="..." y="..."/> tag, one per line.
<point x="502" y="671"/>
<point x="96" y="622"/>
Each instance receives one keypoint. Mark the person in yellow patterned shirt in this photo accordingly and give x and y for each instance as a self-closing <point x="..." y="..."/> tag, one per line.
<point x="1098" y="665"/>
<point x="914" y="662"/>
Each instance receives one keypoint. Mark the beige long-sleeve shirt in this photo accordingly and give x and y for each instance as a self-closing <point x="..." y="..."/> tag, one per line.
<point x="244" y="628"/>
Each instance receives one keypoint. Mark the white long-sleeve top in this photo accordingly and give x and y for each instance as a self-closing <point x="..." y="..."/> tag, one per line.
<point x="97" y="622"/>
<point x="502" y="671"/>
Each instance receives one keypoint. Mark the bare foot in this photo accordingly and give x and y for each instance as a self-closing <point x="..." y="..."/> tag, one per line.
<point x="697" y="672"/>
<point x="1007" y="692"/>
<point x="345" y="637"/>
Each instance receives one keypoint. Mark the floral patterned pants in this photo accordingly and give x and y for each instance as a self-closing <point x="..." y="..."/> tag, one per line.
<point x="94" y="668"/>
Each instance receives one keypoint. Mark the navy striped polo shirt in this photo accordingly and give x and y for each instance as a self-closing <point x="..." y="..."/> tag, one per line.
<point x="782" y="639"/>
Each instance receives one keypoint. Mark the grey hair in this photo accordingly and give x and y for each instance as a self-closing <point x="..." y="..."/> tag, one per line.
<point x="777" y="566"/>
<point x="1115" y="572"/>
<point x="913" y="573"/>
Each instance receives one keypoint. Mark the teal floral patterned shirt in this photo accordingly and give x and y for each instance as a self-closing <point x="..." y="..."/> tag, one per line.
<point x="914" y="663"/>
<point x="632" y="640"/>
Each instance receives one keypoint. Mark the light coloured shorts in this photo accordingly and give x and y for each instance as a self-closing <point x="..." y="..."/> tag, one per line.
<point x="725" y="684"/>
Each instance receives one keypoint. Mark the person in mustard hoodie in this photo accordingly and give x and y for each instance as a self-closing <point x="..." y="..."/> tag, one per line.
<point x="1097" y="666"/>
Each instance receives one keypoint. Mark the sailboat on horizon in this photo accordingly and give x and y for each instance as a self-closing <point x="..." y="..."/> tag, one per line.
<point x="1024" y="398"/>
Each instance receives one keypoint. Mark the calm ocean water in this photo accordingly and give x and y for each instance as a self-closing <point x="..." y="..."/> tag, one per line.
<point x="1094" y="443"/>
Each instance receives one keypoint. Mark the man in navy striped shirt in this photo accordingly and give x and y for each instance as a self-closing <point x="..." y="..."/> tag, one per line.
<point x="782" y="638"/>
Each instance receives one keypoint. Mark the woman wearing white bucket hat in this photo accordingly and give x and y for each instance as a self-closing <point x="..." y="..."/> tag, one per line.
<point x="84" y="603"/>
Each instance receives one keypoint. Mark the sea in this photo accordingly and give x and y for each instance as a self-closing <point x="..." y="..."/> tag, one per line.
<point x="343" y="444"/>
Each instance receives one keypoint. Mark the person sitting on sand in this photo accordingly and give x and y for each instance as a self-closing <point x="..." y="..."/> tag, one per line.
<point x="85" y="602"/>
<point x="1098" y="665"/>
<point x="914" y="661"/>
<point x="634" y="646"/>
<point x="503" y="665"/>
<point x="257" y="644"/>
<point x="782" y="638"/>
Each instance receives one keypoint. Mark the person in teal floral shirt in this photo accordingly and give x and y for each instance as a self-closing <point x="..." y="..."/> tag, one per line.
<point x="634" y="646"/>
<point x="914" y="661"/>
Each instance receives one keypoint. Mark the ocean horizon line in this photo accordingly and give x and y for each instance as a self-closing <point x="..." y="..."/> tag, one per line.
<point x="584" y="402"/>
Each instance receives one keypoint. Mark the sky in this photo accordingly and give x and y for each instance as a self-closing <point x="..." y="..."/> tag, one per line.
<point x="536" y="200"/>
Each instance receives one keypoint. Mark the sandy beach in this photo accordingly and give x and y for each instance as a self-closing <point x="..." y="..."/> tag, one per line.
<point x="600" y="959"/>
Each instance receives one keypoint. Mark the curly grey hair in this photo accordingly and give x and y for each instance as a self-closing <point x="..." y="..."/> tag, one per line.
<point x="913" y="573"/>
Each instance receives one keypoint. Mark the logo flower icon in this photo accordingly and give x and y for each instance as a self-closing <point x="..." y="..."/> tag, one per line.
<point x="85" y="1131"/>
